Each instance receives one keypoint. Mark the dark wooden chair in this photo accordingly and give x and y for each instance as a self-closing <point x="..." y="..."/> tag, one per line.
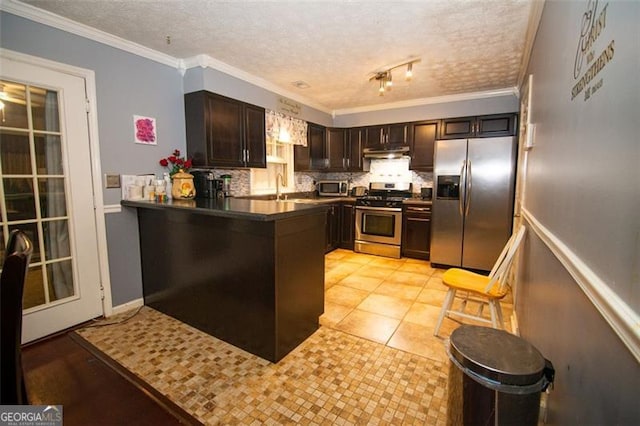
<point x="14" y="272"/>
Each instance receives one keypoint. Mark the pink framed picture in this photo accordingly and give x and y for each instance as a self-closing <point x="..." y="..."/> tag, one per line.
<point x="145" y="131"/>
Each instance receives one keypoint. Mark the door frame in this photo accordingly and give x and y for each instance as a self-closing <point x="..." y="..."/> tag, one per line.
<point x="94" y="149"/>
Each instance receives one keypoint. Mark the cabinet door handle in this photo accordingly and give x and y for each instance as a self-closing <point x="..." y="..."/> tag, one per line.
<point x="417" y="219"/>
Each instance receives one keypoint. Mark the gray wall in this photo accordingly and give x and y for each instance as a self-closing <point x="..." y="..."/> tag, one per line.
<point x="218" y="82"/>
<point x="493" y="105"/>
<point x="224" y="84"/>
<point x="597" y="378"/>
<point x="583" y="185"/>
<point x="126" y="84"/>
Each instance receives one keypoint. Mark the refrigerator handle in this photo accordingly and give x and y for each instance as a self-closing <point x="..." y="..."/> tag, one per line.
<point x="469" y="186"/>
<point x="463" y="183"/>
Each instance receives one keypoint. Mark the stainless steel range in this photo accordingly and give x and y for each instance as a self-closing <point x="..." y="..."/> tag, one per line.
<point x="379" y="219"/>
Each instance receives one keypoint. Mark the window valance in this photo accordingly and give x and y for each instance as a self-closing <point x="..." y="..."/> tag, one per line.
<point x="282" y="128"/>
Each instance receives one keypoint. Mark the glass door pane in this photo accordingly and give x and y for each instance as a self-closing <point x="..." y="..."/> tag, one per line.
<point x="33" y="194"/>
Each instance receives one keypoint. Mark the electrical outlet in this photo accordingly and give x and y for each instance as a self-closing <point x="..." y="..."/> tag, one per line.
<point x="111" y="181"/>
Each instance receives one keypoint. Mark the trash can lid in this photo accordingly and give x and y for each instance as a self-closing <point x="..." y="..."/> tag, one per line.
<point x="496" y="355"/>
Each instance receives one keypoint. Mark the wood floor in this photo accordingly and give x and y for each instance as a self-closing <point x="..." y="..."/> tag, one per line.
<point x="93" y="389"/>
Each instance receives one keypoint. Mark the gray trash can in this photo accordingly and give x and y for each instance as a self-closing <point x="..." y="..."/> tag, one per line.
<point x="495" y="378"/>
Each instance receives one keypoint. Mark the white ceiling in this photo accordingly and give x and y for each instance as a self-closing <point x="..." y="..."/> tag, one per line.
<point x="465" y="46"/>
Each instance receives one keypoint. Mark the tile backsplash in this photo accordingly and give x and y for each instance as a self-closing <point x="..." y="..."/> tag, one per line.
<point x="380" y="170"/>
<point x="391" y="170"/>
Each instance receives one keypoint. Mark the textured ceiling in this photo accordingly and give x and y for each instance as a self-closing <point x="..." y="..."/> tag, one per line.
<point x="334" y="46"/>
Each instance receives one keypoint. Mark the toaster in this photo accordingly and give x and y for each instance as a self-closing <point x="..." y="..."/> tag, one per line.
<point x="358" y="191"/>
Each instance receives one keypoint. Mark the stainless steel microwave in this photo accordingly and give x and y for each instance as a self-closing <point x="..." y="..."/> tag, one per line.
<point x="333" y="188"/>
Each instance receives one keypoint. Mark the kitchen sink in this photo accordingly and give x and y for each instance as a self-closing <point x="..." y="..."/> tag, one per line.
<point x="305" y="200"/>
<point x="299" y="200"/>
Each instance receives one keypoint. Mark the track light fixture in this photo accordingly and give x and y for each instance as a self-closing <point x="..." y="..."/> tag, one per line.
<point x="385" y="77"/>
<point x="409" y="74"/>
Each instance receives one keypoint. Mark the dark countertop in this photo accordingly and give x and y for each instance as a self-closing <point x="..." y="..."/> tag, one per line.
<point x="300" y="197"/>
<point x="260" y="210"/>
<point x="323" y="200"/>
<point x="417" y="202"/>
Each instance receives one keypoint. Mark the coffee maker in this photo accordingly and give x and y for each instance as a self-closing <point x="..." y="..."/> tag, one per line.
<point x="226" y="185"/>
<point x="207" y="186"/>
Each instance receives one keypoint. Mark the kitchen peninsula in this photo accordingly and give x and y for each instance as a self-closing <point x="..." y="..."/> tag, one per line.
<point x="249" y="272"/>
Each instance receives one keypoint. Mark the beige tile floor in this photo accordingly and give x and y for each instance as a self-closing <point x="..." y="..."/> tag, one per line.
<point x="373" y="361"/>
<point x="395" y="302"/>
<point x="332" y="378"/>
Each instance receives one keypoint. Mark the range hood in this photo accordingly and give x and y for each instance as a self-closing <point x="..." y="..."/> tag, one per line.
<point x="386" y="151"/>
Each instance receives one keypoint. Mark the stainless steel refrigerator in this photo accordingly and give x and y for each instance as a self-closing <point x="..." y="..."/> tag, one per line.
<point x="474" y="182"/>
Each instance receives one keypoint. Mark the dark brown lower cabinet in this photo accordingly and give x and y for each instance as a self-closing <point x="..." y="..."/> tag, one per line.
<point x="333" y="228"/>
<point x="347" y="225"/>
<point x="416" y="231"/>
<point x="256" y="284"/>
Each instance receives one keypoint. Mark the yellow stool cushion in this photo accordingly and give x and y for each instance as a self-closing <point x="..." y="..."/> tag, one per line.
<point x="461" y="279"/>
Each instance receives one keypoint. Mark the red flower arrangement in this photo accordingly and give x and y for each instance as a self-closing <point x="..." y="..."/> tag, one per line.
<point x="175" y="163"/>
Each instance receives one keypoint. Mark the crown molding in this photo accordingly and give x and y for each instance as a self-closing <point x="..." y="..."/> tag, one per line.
<point x="205" y="61"/>
<point x="56" y="21"/>
<point x="432" y="100"/>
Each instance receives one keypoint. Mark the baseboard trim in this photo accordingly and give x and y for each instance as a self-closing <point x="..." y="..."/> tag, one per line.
<point x="623" y="320"/>
<point x="134" y="304"/>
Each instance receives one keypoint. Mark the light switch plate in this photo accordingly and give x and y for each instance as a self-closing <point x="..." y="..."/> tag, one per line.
<point x="111" y="181"/>
<point x="531" y="134"/>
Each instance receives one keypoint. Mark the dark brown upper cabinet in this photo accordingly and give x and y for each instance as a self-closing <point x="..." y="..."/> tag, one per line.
<point x="343" y="149"/>
<point x="484" y="126"/>
<point x="399" y="133"/>
<point x="311" y="157"/>
<point x="336" y="149"/>
<point x="355" y="141"/>
<point x="301" y="158"/>
<point x="330" y="150"/>
<point x="224" y="132"/>
<point x="422" y="145"/>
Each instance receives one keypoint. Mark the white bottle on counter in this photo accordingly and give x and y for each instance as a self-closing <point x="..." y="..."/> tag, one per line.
<point x="167" y="179"/>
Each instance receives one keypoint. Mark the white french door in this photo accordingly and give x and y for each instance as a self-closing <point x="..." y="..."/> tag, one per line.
<point x="46" y="190"/>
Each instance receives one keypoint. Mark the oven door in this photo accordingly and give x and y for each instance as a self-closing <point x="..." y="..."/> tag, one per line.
<point x="379" y="225"/>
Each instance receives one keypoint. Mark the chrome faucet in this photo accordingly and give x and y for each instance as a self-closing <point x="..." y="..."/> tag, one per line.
<point x="279" y="181"/>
